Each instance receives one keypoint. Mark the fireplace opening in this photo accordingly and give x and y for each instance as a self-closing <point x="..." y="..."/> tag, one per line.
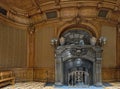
<point x="78" y="71"/>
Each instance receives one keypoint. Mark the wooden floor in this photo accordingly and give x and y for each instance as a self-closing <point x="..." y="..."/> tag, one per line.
<point x="40" y="85"/>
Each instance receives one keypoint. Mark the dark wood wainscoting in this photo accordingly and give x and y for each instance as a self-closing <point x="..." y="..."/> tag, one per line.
<point x="21" y="74"/>
<point x="110" y="74"/>
<point x="44" y="74"/>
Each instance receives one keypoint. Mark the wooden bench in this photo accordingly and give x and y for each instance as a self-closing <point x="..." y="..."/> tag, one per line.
<point x="6" y="78"/>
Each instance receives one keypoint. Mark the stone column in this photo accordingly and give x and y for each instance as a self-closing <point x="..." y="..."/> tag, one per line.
<point x="58" y="71"/>
<point x="98" y="79"/>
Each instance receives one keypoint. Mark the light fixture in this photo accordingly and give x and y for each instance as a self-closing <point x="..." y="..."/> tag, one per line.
<point x="102" y="41"/>
<point x="54" y="42"/>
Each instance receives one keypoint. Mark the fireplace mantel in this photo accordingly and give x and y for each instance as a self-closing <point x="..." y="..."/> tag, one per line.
<point x="84" y="52"/>
<point x="78" y="53"/>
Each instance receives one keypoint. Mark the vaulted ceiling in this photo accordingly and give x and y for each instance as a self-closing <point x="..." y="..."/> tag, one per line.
<point x="33" y="8"/>
<point x="26" y="6"/>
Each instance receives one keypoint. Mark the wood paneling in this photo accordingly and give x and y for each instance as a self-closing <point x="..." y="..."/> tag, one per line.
<point x="118" y="46"/>
<point x="109" y="49"/>
<point x="118" y="74"/>
<point x="17" y="50"/>
<point x="44" y="54"/>
<point x="23" y="74"/>
<point x="109" y="74"/>
<point x="47" y="74"/>
<point x="44" y="74"/>
<point x="31" y="46"/>
<point x="13" y="48"/>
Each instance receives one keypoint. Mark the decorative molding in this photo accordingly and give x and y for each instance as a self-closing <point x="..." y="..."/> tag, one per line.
<point x="17" y="19"/>
<point x="110" y="74"/>
<point x="57" y="2"/>
<point x="31" y="29"/>
<point x="39" y="74"/>
<point x="21" y="74"/>
<point x="22" y="16"/>
<point x="118" y="46"/>
<point x="44" y="74"/>
<point x="7" y="21"/>
<point x="72" y="23"/>
<point x="37" y="4"/>
<point x="77" y="19"/>
<point x="31" y="46"/>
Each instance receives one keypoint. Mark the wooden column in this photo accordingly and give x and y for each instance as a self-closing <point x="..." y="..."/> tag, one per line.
<point x="31" y="46"/>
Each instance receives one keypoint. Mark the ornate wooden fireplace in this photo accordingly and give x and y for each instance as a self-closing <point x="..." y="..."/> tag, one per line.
<point x="78" y="59"/>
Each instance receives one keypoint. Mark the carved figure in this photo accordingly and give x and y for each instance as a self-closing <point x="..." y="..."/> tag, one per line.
<point x="62" y="41"/>
<point x="93" y="40"/>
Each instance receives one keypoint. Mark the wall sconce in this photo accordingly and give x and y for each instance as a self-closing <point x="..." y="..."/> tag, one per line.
<point x="102" y="41"/>
<point x="54" y="42"/>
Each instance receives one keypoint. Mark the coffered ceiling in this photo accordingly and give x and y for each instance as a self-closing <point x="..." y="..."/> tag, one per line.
<point x="23" y="5"/>
<point x="19" y="6"/>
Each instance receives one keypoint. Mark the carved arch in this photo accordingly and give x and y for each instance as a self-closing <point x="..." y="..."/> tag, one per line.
<point x="89" y="27"/>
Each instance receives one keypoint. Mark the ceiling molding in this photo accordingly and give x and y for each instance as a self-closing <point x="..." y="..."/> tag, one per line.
<point x="11" y="23"/>
<point x="30" y="10"/>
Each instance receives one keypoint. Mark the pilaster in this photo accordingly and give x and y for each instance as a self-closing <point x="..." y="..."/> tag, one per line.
<point x="31" y="46"/>
<point x="118" y="46"/>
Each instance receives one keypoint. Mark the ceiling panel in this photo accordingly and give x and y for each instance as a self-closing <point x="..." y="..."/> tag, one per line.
<point x="24" y="5"/>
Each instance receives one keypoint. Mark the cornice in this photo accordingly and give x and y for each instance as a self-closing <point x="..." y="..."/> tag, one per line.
<point x="41" y="7"/>
<point x="13" y="24"/>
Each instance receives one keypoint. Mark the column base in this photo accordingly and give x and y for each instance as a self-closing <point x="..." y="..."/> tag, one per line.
<point x="58" y="83"/>
<point x="99" y="84"/>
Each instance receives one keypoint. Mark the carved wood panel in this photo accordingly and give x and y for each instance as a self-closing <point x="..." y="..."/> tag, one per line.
<point x="23" y="74"/>
<point x="44" y="74"/>
<point x="110" y="74"/>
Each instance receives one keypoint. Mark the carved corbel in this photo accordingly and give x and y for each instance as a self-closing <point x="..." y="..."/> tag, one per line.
<point x="99" y="5"/>
<point x="57" y="2"/>
<point x="78" y="19"/>
<point x="31" y="29"/>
